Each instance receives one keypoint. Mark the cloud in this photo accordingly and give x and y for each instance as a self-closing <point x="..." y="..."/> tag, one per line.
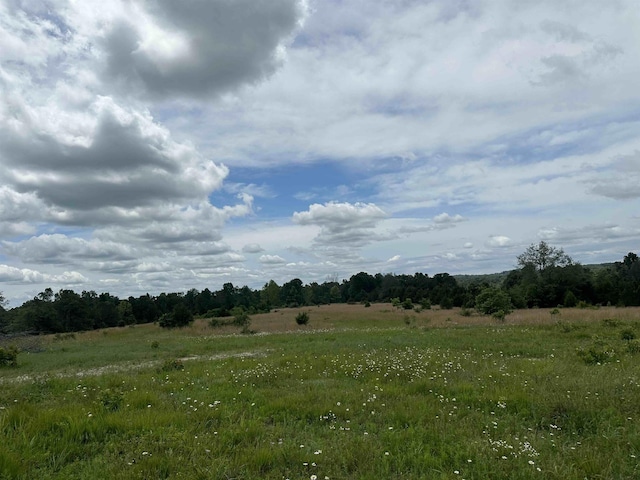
<point x="445" y="219"/>
<point x="622" y="182"/>
<point x="499" y="241"/>
<point x="15" y="275"/>
<point x="252" y="248"/>
<point x="395" y="258"/>
<point x="343" y="223"/>
<point x="123" y="161"/>
<point x="61" y="249"/>
<point x="271" y="259"/>
<point x="163" y="48"/>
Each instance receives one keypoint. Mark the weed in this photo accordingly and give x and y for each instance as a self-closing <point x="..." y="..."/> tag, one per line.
<point x="627" y="334"/>
<point x="597" y="353"/>
<point x="9" y="356"/>
<point x="302" y="318"/>
<point x="633" y="346"/>
<point x="155" y="345"/>
<point x="111" y="399"/>
<point x="172" y="365"/>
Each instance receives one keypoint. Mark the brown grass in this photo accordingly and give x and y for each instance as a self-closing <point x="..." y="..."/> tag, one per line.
<point x="383" y="315"/>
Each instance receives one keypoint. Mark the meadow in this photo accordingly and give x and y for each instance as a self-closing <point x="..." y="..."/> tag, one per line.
<point x="358" y="393"/>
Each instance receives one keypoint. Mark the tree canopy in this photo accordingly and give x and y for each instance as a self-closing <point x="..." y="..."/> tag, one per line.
<point x="542" y="256"/>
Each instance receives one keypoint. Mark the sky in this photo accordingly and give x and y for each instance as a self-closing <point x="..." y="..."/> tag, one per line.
<point x="152" y="146"/>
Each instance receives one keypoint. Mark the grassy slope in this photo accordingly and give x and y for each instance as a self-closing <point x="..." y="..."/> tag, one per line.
<point x="359" y="393"/>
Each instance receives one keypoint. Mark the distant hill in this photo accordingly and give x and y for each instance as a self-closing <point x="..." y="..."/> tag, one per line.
<point x="498" y="278"/>
<point x="490" y="278"/>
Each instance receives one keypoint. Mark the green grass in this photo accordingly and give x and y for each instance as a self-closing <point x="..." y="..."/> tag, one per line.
<point x="472" y="401"/>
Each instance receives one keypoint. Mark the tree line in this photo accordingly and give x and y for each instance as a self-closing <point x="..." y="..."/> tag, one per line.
<point x="545" y="277"/>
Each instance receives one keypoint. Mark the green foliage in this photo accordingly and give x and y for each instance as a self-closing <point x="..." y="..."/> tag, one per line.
<point x="241" y="318"/>
<point x="155" y="345"/>
<point x="543" y="256"/>
<point x="627" y="334"/>
<point x="172" y="365"/>
<point x="570" y="299"/>
<point x="446" y="303"/>
<point x="598" y="353"/>
<point x="367" y="304"/>
<point x="465" y="312"/>
<point x="9" y="356"/>
<point x="425" y="304"/>
<point x="611" y="322"/>
<point x="180" y="317"/>
<point x="407" y="304"/>
<point x="633" y="346"/>
<point x="494" y="301"/>
<point x="111" y="399"/>
<point x="302" y="318"/>
<point x="555" y="311"/>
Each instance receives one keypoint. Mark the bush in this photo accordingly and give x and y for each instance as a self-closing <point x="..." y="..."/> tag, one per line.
<point x="111" y="399"/>
<point x="494" y="301"/>
<point x="302" y="318"/>
<point x="597" y="354"/>
<point x="180" y="317"/>
<point x="570" y="299"/>
<point x="155" y="345"/>
<point x="633" y="347"/>
<point x="446" y="303"/>
<point x="407" y="304"/>
<point x="172" y="365"/>
<point x="627" y="334"/>
<point x="9" y="356"/>
<point x="425" y="304"/>
<point x="465" y="312"/>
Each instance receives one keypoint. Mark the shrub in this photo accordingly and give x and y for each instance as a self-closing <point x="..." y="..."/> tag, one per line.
<point x="627" y="334"/>
<point x="111" y="400"/>
<point x="155" y="345"/>
<point x="425" y="304"/>
<point x="367" y="304"/>
<point x="610" y="322"/>
<point x="9" y="356"/>
<point x="241" y="319"/>
<point x="494" y="301"/>
<point x="407" y="304"/>
<point x="446" y="303"/>
<point x="180" y="317"/>
<point x="596" y="354"/>
<point x="499" y="315"/>
<point x="465" y="312"/>
<point x="570" y="299"/>
<point x="302" y="318"/>
<point x="171" y="365"/>
<point x="633" y="347"/>
<point x="555" y="311"/>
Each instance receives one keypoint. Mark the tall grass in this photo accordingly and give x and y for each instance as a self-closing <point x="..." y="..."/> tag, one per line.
<point x="364" y="395"/>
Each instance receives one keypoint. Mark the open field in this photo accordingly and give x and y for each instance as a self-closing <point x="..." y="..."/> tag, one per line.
<point x="358" y="393"/>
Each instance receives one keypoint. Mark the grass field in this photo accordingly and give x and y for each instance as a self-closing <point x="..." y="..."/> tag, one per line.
<point x="358" y="393"/>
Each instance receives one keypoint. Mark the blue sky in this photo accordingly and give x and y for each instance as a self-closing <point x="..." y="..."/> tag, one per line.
<point x="161" y="146"/>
